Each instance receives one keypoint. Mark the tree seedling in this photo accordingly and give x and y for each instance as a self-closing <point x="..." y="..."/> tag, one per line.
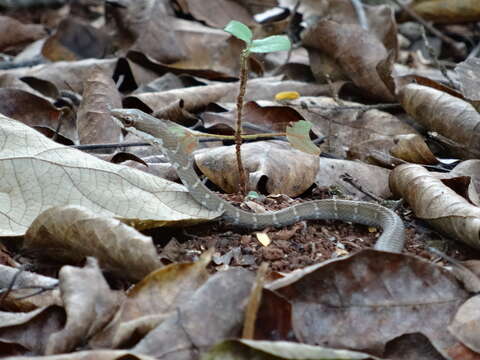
<point x="265" y="45"/>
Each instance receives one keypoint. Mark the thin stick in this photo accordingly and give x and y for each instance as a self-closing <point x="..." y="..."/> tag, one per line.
<point x="434" y="58"/>
<point x="238" y="130"/>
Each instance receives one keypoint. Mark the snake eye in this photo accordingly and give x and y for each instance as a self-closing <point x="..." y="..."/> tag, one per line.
<point x="128" y="121"/>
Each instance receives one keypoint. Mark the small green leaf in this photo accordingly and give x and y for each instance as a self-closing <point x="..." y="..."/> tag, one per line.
<point x="240" y="31"/>
<point x="299" y="138"/>
<point x="271" y="44"/>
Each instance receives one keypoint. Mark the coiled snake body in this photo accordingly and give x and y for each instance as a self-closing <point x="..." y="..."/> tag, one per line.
<point x="170" y="138"/>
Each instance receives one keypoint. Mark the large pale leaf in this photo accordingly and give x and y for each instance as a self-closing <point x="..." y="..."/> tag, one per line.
<point x="38" y="173"/>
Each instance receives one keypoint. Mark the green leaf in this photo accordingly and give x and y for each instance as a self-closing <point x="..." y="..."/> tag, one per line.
<point x="240" y="31"/>
<point x="271" y="44"/>
<point x="299" y="138"/>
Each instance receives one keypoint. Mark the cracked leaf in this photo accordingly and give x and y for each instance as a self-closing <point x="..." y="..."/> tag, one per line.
<point x="38" y="174"/>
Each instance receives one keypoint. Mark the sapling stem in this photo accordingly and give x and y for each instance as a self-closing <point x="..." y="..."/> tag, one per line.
<point x="265" y="45"/>
<point x="238" y="130"/>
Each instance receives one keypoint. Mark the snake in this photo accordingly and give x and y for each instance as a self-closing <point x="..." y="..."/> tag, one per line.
<point x="172" y="140"/>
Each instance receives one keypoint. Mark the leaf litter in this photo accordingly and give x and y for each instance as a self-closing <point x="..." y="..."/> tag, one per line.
<point x="97" y="260"/>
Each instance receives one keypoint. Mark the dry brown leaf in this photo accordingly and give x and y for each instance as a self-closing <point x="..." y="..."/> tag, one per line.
<point x="71" y="233"/>
<point x="450" y="116"/>
<point x="434" y="202"/>
<point x="186" y="333"/>
<point x="468" y="77"/>
<point x="382" y="296"/>
<point x="36" y="112"/>
<point x="75" y="40"/>
<point x="14" y="33"/>
<point x="31" y="330"/>
<point x="275" y="164"/>
<point x="40" y="174"/>
<point x="89" y="304"/>
<point x="69" y="75"/>
<point x="216" y="13"/>
<point x="351" y="131"/>
<point x="95" y="124"/>
<point x="465" y="324"/>
<point x="150" y="301"/>
<point x="355" y="50"/>
<point x="370" y="178"/>
<point x="448" y="11"/>
<point x="411" y="346"/>
<point x="412" y="148"/>
<point x="197" y="97"/>
<point x="139" y="25"/>
<point x="243" y="349"/>
<point x="470" y="168"/>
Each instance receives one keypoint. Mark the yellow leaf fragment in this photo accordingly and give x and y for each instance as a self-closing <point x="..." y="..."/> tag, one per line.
<point x="287" y="95"/>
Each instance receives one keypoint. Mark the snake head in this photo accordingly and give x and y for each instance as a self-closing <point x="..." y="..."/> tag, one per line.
<point x="127" y="117"/>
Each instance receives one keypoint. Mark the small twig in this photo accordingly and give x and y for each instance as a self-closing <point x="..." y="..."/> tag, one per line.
<point x="349" y="180"/>
<point x="347" y="107"/>
<point x="434" y="58"/>
<point x="453" y="144"/>
<point x="360" y="11"/>
<point x="10" y="285"/>
<point x="459" y="49"/>
<point x="238" y="130"/>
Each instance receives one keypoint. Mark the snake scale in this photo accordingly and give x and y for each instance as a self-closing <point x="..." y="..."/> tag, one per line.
<point x="170" y="139"/>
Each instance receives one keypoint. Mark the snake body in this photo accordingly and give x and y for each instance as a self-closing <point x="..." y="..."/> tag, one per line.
<point x="168" y="137"/>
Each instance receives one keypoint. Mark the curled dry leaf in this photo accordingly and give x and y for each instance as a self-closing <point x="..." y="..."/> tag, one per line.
<point x="61" y="73"/>
<point x="71" y="233"/>
<point x="40" y="174"/>
<point x="95" y="125"/>
<point x="470" y="168"/>
<point x="448" y="11"/>
<point x="412" y="148"/>
<point x="382" y="296"/>
<point x="89" y="304"/>
<point x="287" y="171"/>
<point x="185" y="333"/>
<point x="148" y="302"/>
<point x="450" y="116"/>
<point x="352" y="48"/>
<point x="434" y="202"/>
<point x="197" y="97"/>
<point x="466" y="324"/>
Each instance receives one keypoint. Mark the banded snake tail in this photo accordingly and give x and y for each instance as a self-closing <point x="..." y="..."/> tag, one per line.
<point x="169" y="138"/>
